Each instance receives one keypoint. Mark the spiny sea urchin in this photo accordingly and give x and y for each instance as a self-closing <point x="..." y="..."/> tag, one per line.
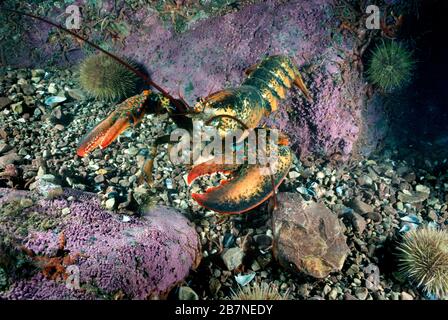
<point x="258" y="292"/>
<point x="104" y="78"/>
<point x="423" y="258"/>
<point x="391" y="66"/>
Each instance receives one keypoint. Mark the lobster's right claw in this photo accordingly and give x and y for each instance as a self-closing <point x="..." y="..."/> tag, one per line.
<point x="250" y="186"/>
<point x="129" y="112"/>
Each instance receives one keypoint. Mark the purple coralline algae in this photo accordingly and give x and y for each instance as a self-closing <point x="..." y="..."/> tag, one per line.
<point x="143" y="258"/>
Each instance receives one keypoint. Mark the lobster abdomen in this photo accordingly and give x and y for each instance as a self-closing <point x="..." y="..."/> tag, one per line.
<point x="273" y="77"/>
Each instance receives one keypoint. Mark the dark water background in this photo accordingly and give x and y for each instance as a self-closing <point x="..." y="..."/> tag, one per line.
<point x="419" y="115"/>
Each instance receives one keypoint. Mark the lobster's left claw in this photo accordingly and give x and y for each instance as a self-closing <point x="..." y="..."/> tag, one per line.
<point x="129" y="112"/>
<point x="250" y="187"/>
<point x="103" y="134"/>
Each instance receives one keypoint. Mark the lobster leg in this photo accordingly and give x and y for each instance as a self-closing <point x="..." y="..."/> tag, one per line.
<point x="148" y="165"/>
<point x="298" y="81"/>
<point x="250" y="69"/>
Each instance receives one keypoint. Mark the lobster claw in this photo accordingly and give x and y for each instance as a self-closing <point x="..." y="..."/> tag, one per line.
<point x="250" y="185"/>
<point x="129" y="112"/>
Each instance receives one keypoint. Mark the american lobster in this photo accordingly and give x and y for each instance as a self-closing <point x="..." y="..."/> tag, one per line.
<point x="227" y="110"/>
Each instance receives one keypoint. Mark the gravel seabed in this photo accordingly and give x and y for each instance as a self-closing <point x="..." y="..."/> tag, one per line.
<point x="37" y="138"/>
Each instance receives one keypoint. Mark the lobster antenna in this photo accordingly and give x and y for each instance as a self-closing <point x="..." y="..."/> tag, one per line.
<point x="133" y="69"/>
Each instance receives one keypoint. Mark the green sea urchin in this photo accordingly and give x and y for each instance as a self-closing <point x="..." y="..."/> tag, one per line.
<point x="391" y="66"/>
<point x="423" y="258"/>
<point x="104" y="78"/>
<point x="258" y="292"/>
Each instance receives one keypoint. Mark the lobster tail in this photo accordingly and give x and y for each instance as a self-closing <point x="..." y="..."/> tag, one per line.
<point x="274" y="76"/>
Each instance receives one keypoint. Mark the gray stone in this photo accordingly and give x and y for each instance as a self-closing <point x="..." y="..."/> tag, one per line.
<point x="361" y="293"/>
<point x="110" y="204"/>
<point x="358" y="222"/>
<point x="308" y="237"/>
<point x="9" y="158"/>
<point x="4" y="147"/>
<point x="374" y="216"/>
<point x="412" y="197"/>
<point x="99" y="178"/>
<point x="233" y="258"/>
<point x="4" y="102"/>
<point x="186" y="293"/>
<point x="27" y="89"/>
<point x="361" y="207"/>
<point x="365" y="180"/>
<point x="405" y="296"/>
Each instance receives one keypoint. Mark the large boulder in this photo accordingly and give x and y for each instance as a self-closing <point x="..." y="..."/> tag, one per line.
<point x="140" y="258"/>
<point x="213" y="53"/>
<point x="308" y="237"/>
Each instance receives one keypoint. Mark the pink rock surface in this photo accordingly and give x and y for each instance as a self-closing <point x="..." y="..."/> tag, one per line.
<point x="143" y="258"/>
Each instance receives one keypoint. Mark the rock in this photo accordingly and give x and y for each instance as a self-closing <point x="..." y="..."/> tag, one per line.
<point x="358" y="222"/>
<point x="422" y="188"/>
<point x="374" y="216"/>
<point x="293" y="175"/>
<point x="233" y="258"/>
<point x="37" y="72"/>
<point x="99" y="178"/>
<point x="405" y="296"/>
<point x="76" y="94"/>
<point x="412" y="197"/>
<point x="4" y="102"/>
<point x="26" y="202"/>
<point x="308" y="237"/>
<point x="52" y="88"/>
<point x="361" y="207"/>
<point x="48" y="178"/>
<point x="29" y="101"/>
<point x="263" y="241"/>
<point x="4" y="147"/>
<point x="186" y="293"/>
<point x="54" y="101"/>
<point x="361" y="293"/>
<point x="110" y="203"/>
<point x="333" y="294"/>
<point x="320" y="175"/>
<point x="17" y="107"/>
<point x="433" y="215"/>
<point x="410" y="177"/>
<point x="348" y="296"/>
<point x="27" y="89"/>
<point x="9" y="158"/>
<point x="47" y="189"/>
<point x="132" y="151"/>
<point x="255" y="266"/>
<point x="141" y="259"/>
<point x="365" y="180"/>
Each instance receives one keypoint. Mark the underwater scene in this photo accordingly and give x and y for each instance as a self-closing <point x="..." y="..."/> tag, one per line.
<point x="223" y="150"/>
